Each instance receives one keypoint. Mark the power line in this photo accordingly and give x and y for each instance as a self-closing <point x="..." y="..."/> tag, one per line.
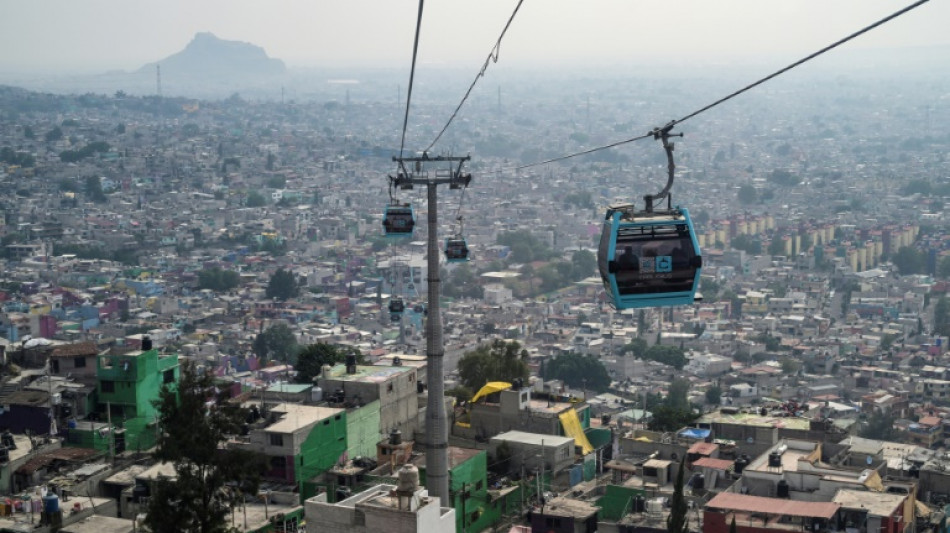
<point x="492" y="58"/>
<point x="412" y="73"/>
<point x="742" y="90"/>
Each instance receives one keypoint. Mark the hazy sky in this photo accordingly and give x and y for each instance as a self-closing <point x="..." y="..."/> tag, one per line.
<point x="99" y="35"/>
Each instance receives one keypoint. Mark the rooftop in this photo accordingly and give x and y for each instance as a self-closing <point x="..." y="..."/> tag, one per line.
<point x="368" y="373"/>
<point x="876" y="503"/>
<point x="536" y="439"/>
<point x="298" y="416"/>
<point x="755" y="419"/>
<point x="730" y="501"/>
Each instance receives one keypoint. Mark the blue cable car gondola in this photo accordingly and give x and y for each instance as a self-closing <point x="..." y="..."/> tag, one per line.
<point x="396" y="308"/>
<point x="649" y="259"/>
<point x="456" y="249"/>
<point x="399" y="220"/>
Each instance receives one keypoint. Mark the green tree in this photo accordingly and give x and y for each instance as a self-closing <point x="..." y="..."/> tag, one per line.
<point x="777" y="245"/>
<point x="637" y="347"/>
<point x="584" y="264"/>
<point x="943" y="268"/>
<point x="747" y="194"/>
<point x="909" y="260"/>
<point x="311" y="359"/>
<point x="942" y="316"/>
<point x="714" y="395"/>
<point x="54" y="134"/>
<point x="255" y="199"/>
<point x="678" y="521"/>
<point x="282" y="285"/>
<point x="93" y="190"/>
<point x="578" y="371"/>
<point x="880" y="426"/>
<point x="678" y="395"/>
<point x="209" y="478"/>
<point x="277" y="342"/>
<point x="217" y="279"/>
<point x="746" y="243"/>
<point x="668" y="355"/>
<point x="498" y="361"/>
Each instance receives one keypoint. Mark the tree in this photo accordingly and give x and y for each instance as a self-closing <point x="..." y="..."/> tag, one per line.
<point x="909" y="260"/>
<point x="747" y="194"/>
<point x="282" y="285"/>
<point x="668" y="355"/>
<point x="637" y="347"/>
<point x="54" y="134"/>
<point x="498" y="361"/>
<point x="94" y="190"/>
<point x="255" y="199"/>
<point x="584" y="264"/>
<point x="678" y="521"/>
<point x="198" y="498"/>
<point x="714" y="395"/>
<point x="777" y="245"/>
<point x="677" y="397"/>
<point x="578" y="371"/>
<point x="276" y="342"/>
<point x="311" y="359"/>
<point x="217" y="279"/>
<point x="942" y="316"/>
<point x="879" y="426"/>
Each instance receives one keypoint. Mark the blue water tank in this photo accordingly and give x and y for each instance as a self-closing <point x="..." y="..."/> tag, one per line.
<point x="50" y="503"/>
<point x="71" y="424"/>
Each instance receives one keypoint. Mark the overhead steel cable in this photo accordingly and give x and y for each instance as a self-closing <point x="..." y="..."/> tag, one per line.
<point x="492" y="58"/>
<point x="412" y="74"/>
<point x="740" y="91"/>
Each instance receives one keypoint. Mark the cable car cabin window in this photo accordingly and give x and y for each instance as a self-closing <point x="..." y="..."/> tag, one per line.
<point x="398" y="220"/>
<point x="654" y="259"/>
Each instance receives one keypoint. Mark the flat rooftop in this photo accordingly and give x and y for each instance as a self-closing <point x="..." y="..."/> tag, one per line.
<point x="296" y="416"/>
<point x="535" y="439"/>
<point x="368" y="373"/>
<point x="755" y="419"/>
<point x="876" y="503"/>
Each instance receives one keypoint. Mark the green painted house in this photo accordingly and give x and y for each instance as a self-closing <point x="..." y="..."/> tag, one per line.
<point x="300" y="441"/>
<point x="127" y="386"/>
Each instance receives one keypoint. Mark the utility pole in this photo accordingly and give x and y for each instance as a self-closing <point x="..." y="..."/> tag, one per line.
<point x="437" y="430"/>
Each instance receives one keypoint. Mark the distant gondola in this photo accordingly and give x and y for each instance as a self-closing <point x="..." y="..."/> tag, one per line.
<point x="456" y="250"/>
<point x="399" y="220"/>
<point x="396" y="308"/>
<point x="649" y="259"/>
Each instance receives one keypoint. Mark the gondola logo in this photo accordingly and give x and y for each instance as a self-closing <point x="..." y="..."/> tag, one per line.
<point x="648" y="264"/>
<point x="664" y="263"/>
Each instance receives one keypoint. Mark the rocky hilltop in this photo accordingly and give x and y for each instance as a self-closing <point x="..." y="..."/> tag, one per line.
<point x="210" y="58"/>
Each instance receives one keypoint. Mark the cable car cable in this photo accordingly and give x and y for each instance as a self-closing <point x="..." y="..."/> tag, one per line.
<point x="492" y="58"/>
<point x="412" y="73"/>
<point x="740" y="91"/>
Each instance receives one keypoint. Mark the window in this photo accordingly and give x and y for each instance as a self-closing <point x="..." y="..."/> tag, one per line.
<point x="105" y="362"/>
<point x="276" y="439"/>
<point x="168" y="376"/>
<point x="389" y="388"/>
<point x="79" y="362"/>
<point x="478" y="485"/>
<point x="108" y="386"/>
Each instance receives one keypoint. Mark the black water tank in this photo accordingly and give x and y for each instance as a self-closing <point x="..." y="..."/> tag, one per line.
<point x="351" y="364"/>
<point x="914" y="471"/>
<point x="699" y="482"/>
<point x="781" y="490"/>
<point x="740" y="465"/>
<point x="775" y="460"/>
<point x="639" y="504"/>
<point x="146" y="343"/>
<point x="6" y="439"/>
<point x="4" y="454"/>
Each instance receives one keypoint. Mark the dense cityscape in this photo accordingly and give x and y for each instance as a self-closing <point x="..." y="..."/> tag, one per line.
<point x="205" y="326"/>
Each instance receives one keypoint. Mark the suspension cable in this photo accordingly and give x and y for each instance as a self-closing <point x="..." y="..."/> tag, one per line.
<point x="740" y="91"/>
<point x="412" y="73"/>
<point x="492" y="58"/>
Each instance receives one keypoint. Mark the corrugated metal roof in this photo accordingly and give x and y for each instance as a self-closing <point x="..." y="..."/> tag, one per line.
<point x="774" y="506"/>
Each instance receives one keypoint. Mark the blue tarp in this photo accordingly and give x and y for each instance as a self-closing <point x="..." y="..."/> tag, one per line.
<point x="695" y="433"/>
